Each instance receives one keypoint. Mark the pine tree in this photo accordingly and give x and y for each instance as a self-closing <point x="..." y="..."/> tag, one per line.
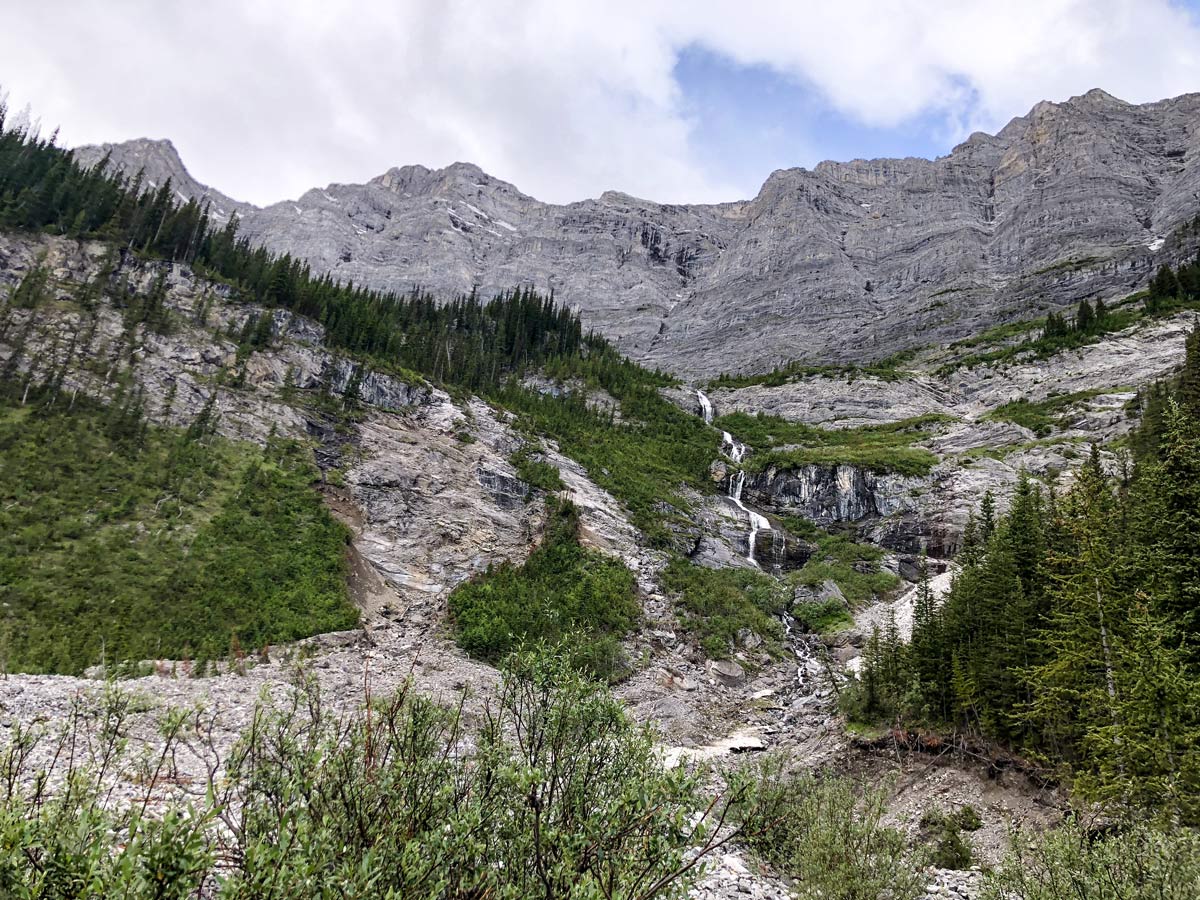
<point x="1177" y="484"/>
<point x="930" y="661"/>
<point x="1085" y="318"/>
<point x="987" y="518"/>
<point x="1164" y="287"/>
<point x="1075" y="686"/>
<point x="1187" y="391"/>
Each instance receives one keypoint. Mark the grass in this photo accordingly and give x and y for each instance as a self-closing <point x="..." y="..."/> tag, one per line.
<point x="888" y="369"/>
<point x="1044" y="416"/>
<point x="879" y="448"/>
<point x="125" y="542"/>
<point x="999" y="334"/>
<point x="852" y="566"/>
<point x="562" y="591"/>
<point x="911" y="462"/>
<point x="1007" y="450"/>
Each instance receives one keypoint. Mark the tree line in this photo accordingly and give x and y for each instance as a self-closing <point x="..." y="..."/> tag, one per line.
<point x="468" y="341"/>
<point x="1072" y="631"/>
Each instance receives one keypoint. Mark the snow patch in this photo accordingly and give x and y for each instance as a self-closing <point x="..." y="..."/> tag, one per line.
<point x="1155" y="245"/>
<point x="504" y="224"/>
<point x="479" y="212"/>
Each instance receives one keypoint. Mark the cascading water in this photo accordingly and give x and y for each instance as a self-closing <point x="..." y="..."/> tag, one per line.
<point x="758" y="522"/>
<point x="736" y="452"/>
<point x="810" y="694"/>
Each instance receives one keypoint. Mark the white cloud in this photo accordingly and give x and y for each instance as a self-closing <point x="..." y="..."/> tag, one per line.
<point x="266" y="98"/>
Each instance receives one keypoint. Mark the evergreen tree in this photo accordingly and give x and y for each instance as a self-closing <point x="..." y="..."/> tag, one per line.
<point x="1085" y="318"/>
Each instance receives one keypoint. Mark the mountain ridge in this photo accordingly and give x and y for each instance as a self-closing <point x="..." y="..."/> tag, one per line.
<point x="846" y="262"/>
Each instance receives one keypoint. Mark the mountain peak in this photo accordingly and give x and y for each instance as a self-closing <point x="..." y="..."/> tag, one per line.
<point x="1096" y="96"/>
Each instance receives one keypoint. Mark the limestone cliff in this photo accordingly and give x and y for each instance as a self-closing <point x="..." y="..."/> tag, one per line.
<point x="849" y="261"/>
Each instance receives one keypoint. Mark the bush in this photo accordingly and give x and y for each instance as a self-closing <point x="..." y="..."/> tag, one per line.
<point x="561" y="590"/>
<point x="1137" y="862"/>
<point x="718" y="605"/>
<point x="557" y="794"/>
<point x="537" y="473"/>
<point x="125" y="541"/>
<point x="825" y="831"/>
<point x="950" y="850"/>
<point x="823" y="617"/>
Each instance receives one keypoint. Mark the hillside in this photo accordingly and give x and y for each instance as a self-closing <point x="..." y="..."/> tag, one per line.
<point x="855" y="599"/>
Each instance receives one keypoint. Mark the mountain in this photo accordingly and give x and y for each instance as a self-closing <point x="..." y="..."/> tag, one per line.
<point x="846" y="262"/>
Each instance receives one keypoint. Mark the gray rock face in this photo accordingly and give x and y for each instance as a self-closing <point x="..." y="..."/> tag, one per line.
<point x="831" y="494"/>
<point x="848" y="261"/>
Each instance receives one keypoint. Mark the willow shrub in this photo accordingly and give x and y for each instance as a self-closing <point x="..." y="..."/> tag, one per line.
<point x="826" y="833"/>
<point x="1134" y="862"/>
<point x="556" y="793"/>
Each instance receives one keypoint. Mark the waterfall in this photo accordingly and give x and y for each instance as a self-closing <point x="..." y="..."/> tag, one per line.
<point x="736" y="452"/>
<point x="758" y="522"/>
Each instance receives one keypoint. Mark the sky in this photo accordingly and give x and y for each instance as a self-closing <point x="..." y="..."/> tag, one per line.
<point x="680" y="101"/>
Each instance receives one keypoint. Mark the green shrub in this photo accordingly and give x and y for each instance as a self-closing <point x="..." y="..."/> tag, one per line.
<point x="125" y="541"/>
<point x="717" y="605"/>
<point x="826" y="832"/>
<point x="943" y="832"/>
<point x="1134" y="862"/>
<point x="853" y="567"/>
<point x="562" y="589"/>
<point x="967" y="818"/>
<point x="557" y="793"/>
<point x="642" y="459"/>
<point x="824" y="617"/>
<point x="537" y="473"/>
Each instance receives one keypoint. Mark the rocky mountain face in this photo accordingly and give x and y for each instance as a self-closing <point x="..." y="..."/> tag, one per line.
<point x="849" y="261"/>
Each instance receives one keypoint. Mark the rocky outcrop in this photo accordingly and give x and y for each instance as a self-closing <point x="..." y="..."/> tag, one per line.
<point x="827" y="495"/>
<point x="849" y="261"/>
<point x="423" y="481"/>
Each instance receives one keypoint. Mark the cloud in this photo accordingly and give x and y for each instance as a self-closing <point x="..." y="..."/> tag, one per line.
<point x="265" y="98"/>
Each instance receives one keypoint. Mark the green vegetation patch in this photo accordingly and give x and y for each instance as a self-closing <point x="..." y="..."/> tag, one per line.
<point x="887" y="369"/>
<point x="563" y="591"/>
<point x="716" y="605"/>
<point x="853" y="567"/>
<point x="1043" y="416"/>
<point x="1135" y="859"/>
<point x="125" y="541"/>
<point x="879" y="448"/>
<point x="826" y="832"/>
<point x="644" y="458"/>
<point x="1000" y="334"/>
<point x="537" y="473"/>
<point x="555" y="792"/>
